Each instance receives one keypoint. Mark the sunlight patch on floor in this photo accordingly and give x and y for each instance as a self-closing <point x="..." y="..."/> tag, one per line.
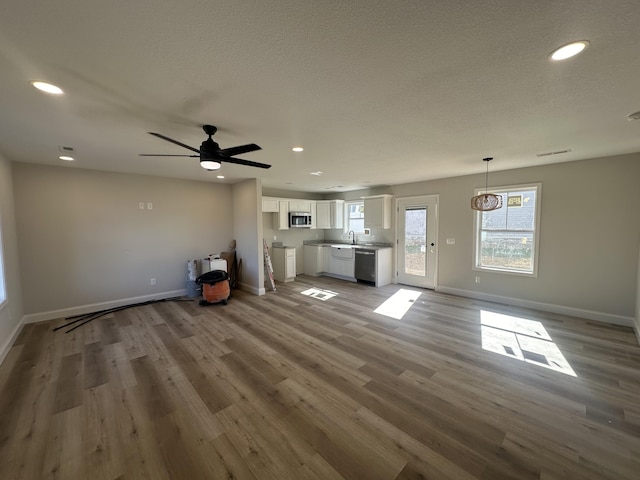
<point x="522" y="339"/>
<point x="319" y="293"/>
<point x="398" y="304"/>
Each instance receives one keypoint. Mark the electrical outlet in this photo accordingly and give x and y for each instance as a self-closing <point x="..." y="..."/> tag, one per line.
<point x="141" y="205"/>
<point x="149" y="206"/>
<point x="153" y="282"/>
<point x="275" y="238"/>
<point x="478" y="279"/>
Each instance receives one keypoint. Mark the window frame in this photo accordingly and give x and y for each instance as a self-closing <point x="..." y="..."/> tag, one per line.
<point x="347" y="220"/>
<point x="477" y="229"/>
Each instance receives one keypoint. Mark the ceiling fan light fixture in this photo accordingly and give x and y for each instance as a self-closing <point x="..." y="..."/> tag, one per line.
<point x="569" y="50"/>
<point x="210" y="164"/>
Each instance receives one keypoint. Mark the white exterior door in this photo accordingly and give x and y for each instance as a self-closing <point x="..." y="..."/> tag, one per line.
<point x="417" y="252"/>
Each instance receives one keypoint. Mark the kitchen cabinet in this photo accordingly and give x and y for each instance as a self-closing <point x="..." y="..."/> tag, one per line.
<point x="281" y="218"/>
<point x="313" y="260"/>
<point x="300" y="206"/>
<point x="270" y="204"/>
<point x="341" y="262"/>
<point x="330" y="213"/>
<point x="284" y="263"/>
<point x="313" y="211"/>
<point x="377" y="211"/>
<point x="326" y="255"/>
<point x="384" y="262"/>
<point x="323" y="219"/>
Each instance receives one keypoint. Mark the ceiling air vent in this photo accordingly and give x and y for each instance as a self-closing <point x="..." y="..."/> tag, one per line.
<point x="62" y="149"/>
<point x="548" y="154"/>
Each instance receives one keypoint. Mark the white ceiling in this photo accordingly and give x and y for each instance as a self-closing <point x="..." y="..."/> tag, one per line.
<point x="377" y="92"/>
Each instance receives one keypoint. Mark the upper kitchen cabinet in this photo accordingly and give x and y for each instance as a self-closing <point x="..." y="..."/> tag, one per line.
<point x="270" y="204"/>
<point x="314" y="215"/>
<point x="300" y="206"/>
<point x="377" y="211"/>
<point x="282" y="216"/>
<point x="329" y="213"/>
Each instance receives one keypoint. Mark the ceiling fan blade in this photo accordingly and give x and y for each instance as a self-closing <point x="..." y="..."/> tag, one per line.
<point x="163" y="155"/>
<point x="174" y="141"/>
<point x="248" y="163"/>
<point x="240" y="149"/>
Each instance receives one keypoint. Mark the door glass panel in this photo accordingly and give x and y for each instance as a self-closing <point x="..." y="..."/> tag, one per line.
<point x="415" y="241"/>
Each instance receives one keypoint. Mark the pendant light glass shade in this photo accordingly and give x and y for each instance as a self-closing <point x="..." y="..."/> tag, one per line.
<point x="485" y="202"/>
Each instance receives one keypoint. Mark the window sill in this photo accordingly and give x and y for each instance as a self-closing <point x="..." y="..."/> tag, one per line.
<point x="506" y="272"/>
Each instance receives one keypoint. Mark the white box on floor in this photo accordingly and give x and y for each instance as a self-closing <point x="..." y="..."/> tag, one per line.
<point x="209" y="265"/>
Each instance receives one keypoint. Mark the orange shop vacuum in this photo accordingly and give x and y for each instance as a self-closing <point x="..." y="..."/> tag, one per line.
<point x="215" y="287"/>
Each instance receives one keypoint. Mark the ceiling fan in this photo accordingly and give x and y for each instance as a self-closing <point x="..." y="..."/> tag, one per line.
<point x="210" y="154"/>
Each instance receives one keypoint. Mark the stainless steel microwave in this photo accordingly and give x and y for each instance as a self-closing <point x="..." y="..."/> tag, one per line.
<point x="299" y="220"/>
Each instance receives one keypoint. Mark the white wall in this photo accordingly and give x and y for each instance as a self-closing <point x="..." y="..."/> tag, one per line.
<point x="589" y="236"/>
<point x="637" y="323"/>
<point x="247" y="228"/>
<point x="11" y="311"/>
<point x="84" y="241"/>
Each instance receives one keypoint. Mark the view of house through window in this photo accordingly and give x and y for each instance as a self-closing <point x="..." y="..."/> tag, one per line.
<point x="354" y="215"/>
<point x="506" y="238"/>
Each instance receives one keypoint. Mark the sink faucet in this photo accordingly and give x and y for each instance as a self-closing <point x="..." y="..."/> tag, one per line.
<point x="353" y="241"/>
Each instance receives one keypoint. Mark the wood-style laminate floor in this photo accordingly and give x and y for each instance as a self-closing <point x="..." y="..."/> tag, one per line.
<point x="287" y="386"/>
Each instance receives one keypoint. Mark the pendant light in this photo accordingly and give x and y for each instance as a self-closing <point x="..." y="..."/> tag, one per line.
<point x="486" y="202"/>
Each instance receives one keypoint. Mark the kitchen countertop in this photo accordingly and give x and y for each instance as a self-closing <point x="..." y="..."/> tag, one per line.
<point x="280" y="245"/>
<point x="365" y="246"/>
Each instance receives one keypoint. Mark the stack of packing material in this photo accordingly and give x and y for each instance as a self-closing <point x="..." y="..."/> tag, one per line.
<point x="193" y="289"/>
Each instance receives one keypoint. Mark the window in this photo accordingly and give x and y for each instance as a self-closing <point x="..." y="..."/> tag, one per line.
<point x="506" y="240"/>
<point x="354" y="214"/>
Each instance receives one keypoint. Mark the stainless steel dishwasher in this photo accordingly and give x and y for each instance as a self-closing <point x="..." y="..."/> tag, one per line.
<point x="365" y="265"/>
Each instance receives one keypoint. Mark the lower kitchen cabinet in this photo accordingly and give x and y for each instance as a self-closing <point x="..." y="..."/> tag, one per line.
<point x="284" y="263"/>
<point x="341" y="262"/>
<point x="313" y="260"/>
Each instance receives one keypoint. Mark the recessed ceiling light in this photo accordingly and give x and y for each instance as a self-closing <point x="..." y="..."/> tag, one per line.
<point x="66" y="158"/>
<point x="569" y="50"/>
<point x="318" y="173"/>
<point x="220" y="176"/>
<point x="297" y="149"/>
<point x="47" y="88"/>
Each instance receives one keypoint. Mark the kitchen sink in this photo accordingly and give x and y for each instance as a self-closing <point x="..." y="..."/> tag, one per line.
<point x="342" y="251"/>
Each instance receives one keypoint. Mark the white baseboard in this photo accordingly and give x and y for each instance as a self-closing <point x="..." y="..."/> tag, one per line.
<point x="250" y="288"/>
<point x="6" y="346"/>
<point x="96" y="307"/>
<point x="545" y="307"/>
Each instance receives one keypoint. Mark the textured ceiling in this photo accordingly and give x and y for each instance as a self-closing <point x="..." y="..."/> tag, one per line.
<point x="378" y="92"/>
